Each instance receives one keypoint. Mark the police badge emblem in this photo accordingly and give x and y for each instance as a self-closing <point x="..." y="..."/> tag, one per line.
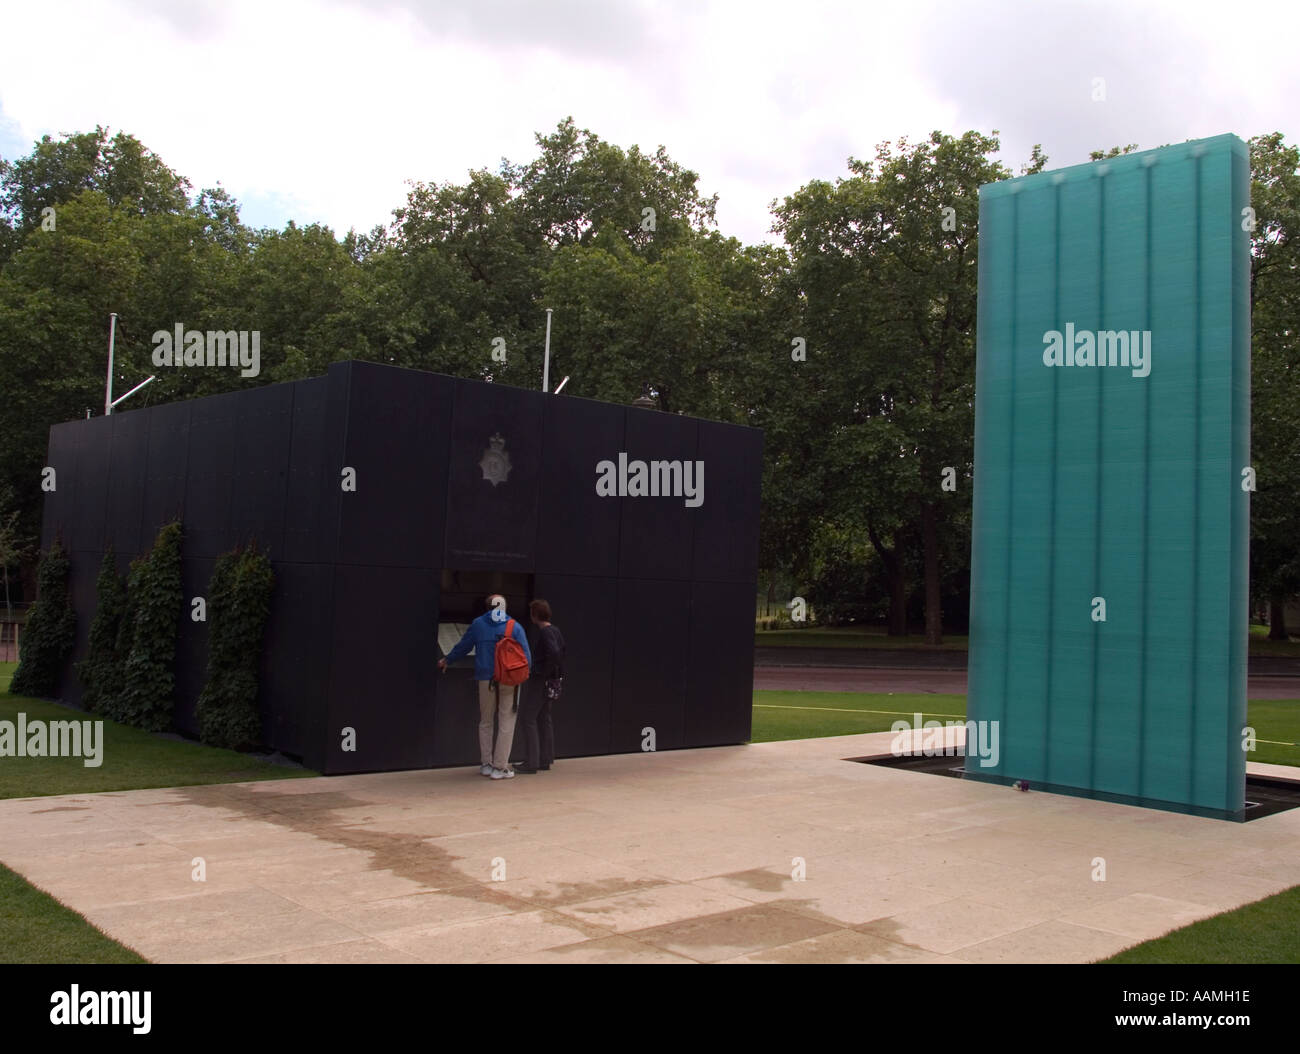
<point x="495" y="462"/>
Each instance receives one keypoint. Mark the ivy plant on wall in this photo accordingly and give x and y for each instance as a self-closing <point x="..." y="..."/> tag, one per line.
<point x="51" y="629"/>
<point x="239" y="600"/>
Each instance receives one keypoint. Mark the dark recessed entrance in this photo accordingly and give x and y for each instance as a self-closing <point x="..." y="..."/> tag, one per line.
<point x="1265" y="795"/>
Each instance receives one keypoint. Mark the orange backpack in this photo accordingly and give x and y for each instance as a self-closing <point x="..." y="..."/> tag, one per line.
<point x="511" y="663"/>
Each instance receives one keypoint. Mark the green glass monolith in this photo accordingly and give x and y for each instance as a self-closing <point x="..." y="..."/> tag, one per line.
<point x="1111" y="525"/>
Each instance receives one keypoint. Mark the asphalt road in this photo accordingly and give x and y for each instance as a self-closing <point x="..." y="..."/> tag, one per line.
<point x="859" y="679"/>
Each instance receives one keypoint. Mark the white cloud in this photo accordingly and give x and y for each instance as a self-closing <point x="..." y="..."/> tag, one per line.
<point x="322" y="111"/>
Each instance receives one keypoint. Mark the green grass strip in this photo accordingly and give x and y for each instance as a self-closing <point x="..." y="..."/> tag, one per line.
<point x="131" y="759"/>
<point x="36" y="928"/>
<point x="1267" y="931"/>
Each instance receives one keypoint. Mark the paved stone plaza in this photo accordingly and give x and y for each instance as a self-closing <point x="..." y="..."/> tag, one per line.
<point x="682" y="856"/>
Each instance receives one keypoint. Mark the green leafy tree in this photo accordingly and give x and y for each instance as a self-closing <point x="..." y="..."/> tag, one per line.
<point x="673" y="326"/>
<point x="114" y="250"/>
<point x="50" y="631"/>
<point x="580" y="186"/>
<point x="12" y="548"/>
<point x="1114" y="151"/>
<point x="1275" y="375"/>
<point x="468" y="263"/>
<point x="130" y="177"/>
<point x="886" y="260"/>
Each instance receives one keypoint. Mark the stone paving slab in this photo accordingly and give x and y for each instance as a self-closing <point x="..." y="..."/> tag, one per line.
<point x="773" y="852"/>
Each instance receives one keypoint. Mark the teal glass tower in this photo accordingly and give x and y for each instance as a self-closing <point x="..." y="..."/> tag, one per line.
<point x="1111" y="504"/>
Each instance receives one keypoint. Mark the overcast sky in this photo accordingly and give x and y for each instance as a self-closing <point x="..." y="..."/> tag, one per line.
<point x="322" y="110"/>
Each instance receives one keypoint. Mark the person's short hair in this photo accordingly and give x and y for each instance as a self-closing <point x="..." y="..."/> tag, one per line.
<point x="487" y="604"/>
<point x="541" y="610"/>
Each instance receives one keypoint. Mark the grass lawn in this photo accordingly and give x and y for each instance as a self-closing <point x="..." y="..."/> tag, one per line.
<point x="810" y="715"/>
<point x="36" y="928"/>
<point x="876" y="637"/>
<point x="1264" y="932"/>
<point x="1277" y="725"/>
<point x="131" y="759"/>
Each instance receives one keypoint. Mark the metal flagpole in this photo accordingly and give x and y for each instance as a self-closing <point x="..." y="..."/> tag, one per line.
<point x="108" y="384"/>
<point x="546" y="369"/>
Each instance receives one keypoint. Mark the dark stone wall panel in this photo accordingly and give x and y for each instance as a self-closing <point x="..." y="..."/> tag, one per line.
<point x="260" y="452"/>
<point x="307" y="468"/>
<point x="583" y="608"/>
<point x="397" y="426"/>
<point x="165" y="483"/>
<point x="127" y="478"/>
<point x="90" y="488"/>
<point x="59" y="509"/>
<point x="493" y="524"/>
<point x="296" y="656"/>
<point x="726" y="536"/>
<point x="455" y="719"/>
<point x="720" y="671"/>
<point x="215" y="426"/>
<point x="383" y="668"/>
<point x="650" y="653"/>
<point x="578" y="530"/>
<point x="657" y="531"/>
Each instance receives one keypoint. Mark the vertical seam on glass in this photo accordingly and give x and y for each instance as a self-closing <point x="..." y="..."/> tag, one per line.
<point x="1196" y="481"/>
<point x="1097" y="517"/>
<point x="1011" y="457"/>
<point x="1239" y="261"/>
<point x="288" y="464"/>
<point x="1051" y="516"/>
<point x="1146" y="507"/>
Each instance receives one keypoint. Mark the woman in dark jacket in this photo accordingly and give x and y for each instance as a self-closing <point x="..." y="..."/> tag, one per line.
<point x="544" y="688"/>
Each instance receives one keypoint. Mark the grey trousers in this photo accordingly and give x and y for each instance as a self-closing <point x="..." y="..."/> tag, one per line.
<point x="488" y="708"/>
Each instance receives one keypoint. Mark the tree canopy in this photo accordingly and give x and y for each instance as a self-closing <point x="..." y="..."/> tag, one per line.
<point x="852" y="342"/>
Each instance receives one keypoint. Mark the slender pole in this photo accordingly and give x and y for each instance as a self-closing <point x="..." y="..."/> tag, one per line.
<point x="128" y="395"/>
<point x="108" y="384"/>
<point x="546" y="369"/>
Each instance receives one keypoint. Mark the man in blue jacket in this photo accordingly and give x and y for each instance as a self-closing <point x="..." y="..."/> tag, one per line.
<point x="481" y="638"/>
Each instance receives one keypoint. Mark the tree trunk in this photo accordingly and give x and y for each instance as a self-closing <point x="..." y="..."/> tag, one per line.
<point x="1277" y="618"/>
<point x="771" y="595"/>
<point x="897" y="586"/>
<point x="930" y="544"/>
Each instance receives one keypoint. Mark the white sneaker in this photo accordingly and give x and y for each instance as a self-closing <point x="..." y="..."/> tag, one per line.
<point x="502" y="774"/>
<point x="485" y="770"/>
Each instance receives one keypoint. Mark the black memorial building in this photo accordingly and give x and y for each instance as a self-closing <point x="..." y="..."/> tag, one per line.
<point x="391" y="501"/>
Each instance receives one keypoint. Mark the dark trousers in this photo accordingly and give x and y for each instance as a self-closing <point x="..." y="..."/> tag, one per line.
<point x="535" y="721"/>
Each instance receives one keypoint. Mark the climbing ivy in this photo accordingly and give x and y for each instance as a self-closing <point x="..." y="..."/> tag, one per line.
<point x="155" y="601"/>
<point x="51" y="629"/>
<point x="100" y="669"/>
<point x="239" y="601"/>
